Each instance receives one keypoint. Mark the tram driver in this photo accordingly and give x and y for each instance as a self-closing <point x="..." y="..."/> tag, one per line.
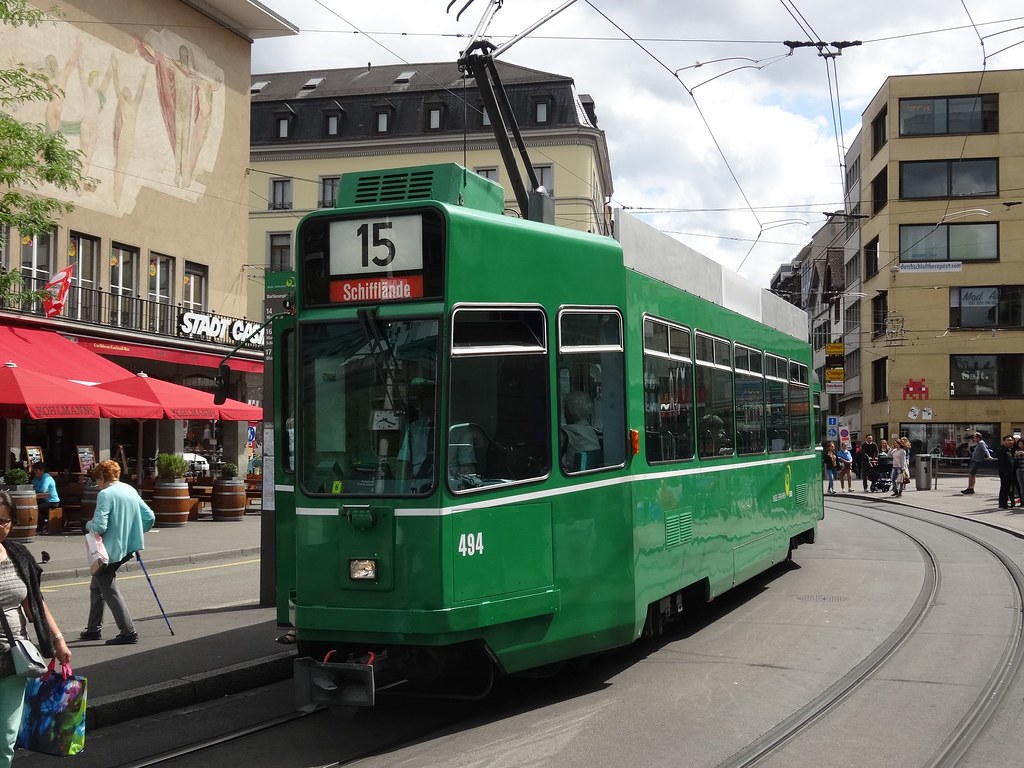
<point x="577" y="439"/>
<point x="416" y="456"/>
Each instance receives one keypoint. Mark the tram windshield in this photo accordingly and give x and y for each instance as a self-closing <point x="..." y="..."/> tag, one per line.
<point x="367" y="406"/>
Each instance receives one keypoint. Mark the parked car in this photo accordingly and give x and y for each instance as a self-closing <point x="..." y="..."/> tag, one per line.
<point x="197" y="464"/>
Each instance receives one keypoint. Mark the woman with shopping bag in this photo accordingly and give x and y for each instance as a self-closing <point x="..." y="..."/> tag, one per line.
<point x="21" y="600"/>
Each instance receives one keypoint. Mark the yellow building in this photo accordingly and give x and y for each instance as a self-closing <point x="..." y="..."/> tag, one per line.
<point x="309" y="128"/>
<point x="155" y="95"/>
<point x="940" y="268"/>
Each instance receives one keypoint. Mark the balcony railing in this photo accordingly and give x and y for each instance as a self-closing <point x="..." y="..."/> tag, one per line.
<point x="94" y="307"/>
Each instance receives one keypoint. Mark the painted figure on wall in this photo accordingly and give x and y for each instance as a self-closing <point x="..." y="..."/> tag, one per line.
<point x="125" y="117"/>
<point x="186" y="99"/>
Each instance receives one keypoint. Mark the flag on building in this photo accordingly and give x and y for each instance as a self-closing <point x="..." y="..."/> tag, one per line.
<point x="57" y="289"/>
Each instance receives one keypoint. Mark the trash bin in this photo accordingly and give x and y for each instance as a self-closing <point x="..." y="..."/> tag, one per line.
<point x="923" y="472"/>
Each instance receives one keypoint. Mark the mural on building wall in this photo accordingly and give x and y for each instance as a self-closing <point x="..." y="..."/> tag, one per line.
<point x="151" y="116"/>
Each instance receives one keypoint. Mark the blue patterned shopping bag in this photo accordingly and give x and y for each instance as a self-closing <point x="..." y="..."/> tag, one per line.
<point x="53" y="721"/>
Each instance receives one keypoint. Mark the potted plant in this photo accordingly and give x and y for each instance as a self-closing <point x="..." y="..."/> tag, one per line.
<point x="228" y="500"/>
<point x="172" y="499"/>
<point x="26" y="511"/>
<point x="16" y="477"/>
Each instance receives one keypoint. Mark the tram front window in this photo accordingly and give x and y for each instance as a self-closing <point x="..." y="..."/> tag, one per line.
<point x="367" y="407"/>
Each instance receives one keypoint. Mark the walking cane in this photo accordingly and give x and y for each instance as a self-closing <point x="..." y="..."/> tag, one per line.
<point x="139" y="558"/>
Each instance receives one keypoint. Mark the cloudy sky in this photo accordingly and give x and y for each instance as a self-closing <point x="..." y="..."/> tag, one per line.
<point x="730" y="140"/>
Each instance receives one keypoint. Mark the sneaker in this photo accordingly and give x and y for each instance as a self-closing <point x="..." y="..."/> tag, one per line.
<point x="131" y="639"/>
<point x="1003" y="506"/>
<point x="967" y="491"/>
<point x="90" y="635"/>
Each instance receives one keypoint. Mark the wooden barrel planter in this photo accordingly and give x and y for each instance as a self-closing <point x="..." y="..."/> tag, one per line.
<point x="171" y="503"/>
<point x="228" y="499"/>
<point x="26" y="515"/>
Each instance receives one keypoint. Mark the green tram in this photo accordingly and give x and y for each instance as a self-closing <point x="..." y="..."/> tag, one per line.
<point x="504" y="444"/>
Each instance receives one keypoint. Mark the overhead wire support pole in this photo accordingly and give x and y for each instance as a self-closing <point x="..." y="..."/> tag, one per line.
<point x="544" y="20"/>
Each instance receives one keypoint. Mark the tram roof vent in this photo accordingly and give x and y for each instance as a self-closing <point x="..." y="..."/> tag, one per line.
<point x="446" y="183"/>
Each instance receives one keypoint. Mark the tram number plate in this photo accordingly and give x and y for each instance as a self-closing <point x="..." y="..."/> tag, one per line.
<point x="471" y="544"/>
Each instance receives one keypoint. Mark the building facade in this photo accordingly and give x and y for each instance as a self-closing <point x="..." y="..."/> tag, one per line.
<point x="154" y="94"/>
<point x="943" y="258"/>
<point x="309" y="128"/>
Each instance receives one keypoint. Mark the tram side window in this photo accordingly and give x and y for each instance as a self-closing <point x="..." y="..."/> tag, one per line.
<point x="668" y="392"/>
<point x="591" y="390"/>
<point x="714" y="397"/>
<point x="750" y="426"/>
<point x="799" y="405"/>
<point x="778" y="403"/>
<point x="287" y="399"/>
<point x="498" y="408"/>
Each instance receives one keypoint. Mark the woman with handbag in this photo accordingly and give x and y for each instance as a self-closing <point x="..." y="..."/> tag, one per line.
<point x="21" y="600"/>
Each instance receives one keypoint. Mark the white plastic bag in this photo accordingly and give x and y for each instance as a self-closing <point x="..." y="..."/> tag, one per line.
<point x="95" y="552"/>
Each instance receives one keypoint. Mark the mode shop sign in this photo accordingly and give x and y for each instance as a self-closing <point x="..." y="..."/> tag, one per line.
<point x="217" y="328"/>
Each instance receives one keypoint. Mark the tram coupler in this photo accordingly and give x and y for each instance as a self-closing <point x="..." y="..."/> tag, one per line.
<point x="332" y="684"/>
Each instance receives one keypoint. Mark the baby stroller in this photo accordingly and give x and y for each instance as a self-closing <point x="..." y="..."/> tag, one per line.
<point x="880" y="474"/>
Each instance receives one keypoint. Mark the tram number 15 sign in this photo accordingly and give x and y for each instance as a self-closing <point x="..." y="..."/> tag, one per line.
<point x="376" y="259"/>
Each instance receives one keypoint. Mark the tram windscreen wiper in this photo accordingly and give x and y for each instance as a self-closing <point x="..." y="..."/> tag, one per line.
<point x="383" y="354"/>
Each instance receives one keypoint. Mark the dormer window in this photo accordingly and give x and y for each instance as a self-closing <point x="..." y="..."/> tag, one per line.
<point x="383" y="118"/>
<point x="543" y="106"/>
<point x="312" y="83"/>
<point x="332" y="123"/>
<point x="284" y="122"/>
<point x="258" y="86"/>
<point x="485" y="119"/>
<point x="433" y="115"/>
<point x="406" y="76"/>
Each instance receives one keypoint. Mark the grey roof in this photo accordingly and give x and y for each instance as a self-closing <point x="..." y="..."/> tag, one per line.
<point x="381" y="79"/>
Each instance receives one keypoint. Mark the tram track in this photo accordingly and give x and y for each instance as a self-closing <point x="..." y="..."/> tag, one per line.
<point x="985" y="704"/>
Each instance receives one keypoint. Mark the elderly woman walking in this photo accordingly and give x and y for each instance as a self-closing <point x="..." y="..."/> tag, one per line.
<point x="121" y="519"/>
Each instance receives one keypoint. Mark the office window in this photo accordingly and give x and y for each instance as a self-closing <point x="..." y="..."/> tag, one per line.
<point x="36" y="260"/>
<point x="487" y="173"/>
<point x="986" y="376"/>
<point x="546" y="178"/>
<point x="989" y="306"/>
<point x="280" y="256"/>
<point x="949" y="178"/>
<point x="851" y="271"/>
<point x="122" y="277"/>
<point x="949" y="114"/>
<point x="880" y="130"/>
<point x="880" y="191"/>
<point x="879" y="314"/>
<point x="83" y="302"/>
<point x="879" y="380"/>
<point x="328" y="191"/>
<point x="949" y="242"/>
<point x="193" y="287"/>
<point x="871" y="258"/>
<point x="160" y="294"/>
<point x="280" y="194"/>
<point x="851" y="318"/>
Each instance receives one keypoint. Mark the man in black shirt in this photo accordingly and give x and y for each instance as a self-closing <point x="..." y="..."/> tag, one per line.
<point x="1004" y="455"/>
<point x="868" y="454"/>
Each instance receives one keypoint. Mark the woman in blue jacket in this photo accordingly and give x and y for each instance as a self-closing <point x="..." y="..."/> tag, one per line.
<point x="121" y="519"/>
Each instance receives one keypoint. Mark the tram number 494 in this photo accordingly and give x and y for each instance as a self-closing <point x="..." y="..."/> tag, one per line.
<point x="471" y="544"/>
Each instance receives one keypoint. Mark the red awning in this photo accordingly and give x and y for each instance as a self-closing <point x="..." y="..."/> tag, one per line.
<point x="41" y="396"/>
<point x="181" y="356"/>
<point x="49" y="352"/>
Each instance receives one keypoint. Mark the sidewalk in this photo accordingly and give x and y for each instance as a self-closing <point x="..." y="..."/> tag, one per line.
<point x="982" y="506"/>
<point x="221" y="651"/>
<point x="212" y="652"/>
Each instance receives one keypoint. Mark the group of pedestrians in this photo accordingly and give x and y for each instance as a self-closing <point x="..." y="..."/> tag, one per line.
<point x="840" y="464"/>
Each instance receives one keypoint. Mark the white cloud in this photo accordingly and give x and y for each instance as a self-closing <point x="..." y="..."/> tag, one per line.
<point x="774" y="125"/>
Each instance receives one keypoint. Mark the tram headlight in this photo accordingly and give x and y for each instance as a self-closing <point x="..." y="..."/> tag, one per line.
<point x="363" y="569"/>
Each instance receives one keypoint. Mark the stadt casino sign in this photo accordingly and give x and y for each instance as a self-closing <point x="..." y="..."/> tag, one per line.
<point x="226" y="330"/>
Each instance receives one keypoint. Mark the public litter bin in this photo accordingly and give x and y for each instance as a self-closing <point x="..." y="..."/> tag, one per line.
<point x="923" y="472"/>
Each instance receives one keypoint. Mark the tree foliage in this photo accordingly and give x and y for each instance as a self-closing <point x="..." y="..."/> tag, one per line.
<point x="30" y="155"/>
